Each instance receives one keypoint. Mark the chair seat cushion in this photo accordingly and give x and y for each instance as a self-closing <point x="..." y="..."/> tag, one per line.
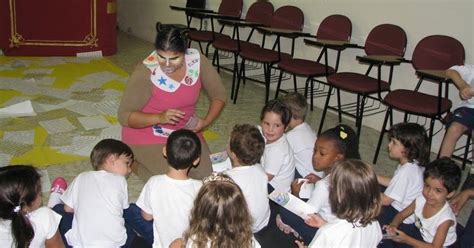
<point x="416" y="102"/>
<point x="304" y="67"/>
<point x="204" y="36"/>
<point x="261" y="55"/>
<point x="230" y="45"/>
<point x="357" y="83"/>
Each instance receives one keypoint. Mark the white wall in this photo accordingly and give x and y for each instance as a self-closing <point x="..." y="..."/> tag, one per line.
<point x="419" y="18"/>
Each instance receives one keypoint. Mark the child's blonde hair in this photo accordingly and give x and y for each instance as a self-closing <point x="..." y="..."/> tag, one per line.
<point x="354" y="193"/>
<point x="220" y="215"/>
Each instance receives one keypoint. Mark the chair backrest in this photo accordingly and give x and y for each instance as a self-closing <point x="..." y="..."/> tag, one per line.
<point x="437" y="52"/>
<point x="288" y="17"/>
<point x="386" y="39"/>
<point x="335" y="27"/>
<point x="231" y="8"/>
<point x="260" y="12"/>
<point x="198" y="4"/>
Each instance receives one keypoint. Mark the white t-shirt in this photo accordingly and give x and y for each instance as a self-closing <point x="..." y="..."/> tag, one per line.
<point x="467" y="74"/>
<point x="98" y="199"/>
<point x="320" y="199"/>
<point x="302" y="139"/>
<point x="190" y="244"/>
<point x="278" y="160"/>
<point x="45" y="224"/>
<point x="253" y="181"/>
<point x="340" y="233"/>
<point x="405" y="186"/>
<point x="170" y="202"/>
<point x="428" y="226"/>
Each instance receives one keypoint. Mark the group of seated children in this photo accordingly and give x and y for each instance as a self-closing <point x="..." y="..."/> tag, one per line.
<point x="232" y="209"/>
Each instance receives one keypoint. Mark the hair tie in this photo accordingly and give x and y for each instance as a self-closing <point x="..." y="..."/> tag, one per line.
<point x="342" y="133"/>
<point x="17" y="209"/>
<point x="215" y="177"/>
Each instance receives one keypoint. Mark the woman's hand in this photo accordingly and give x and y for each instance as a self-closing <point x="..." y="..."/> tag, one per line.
<point x="170" y="116"/>
<point x="201" y="125"/>
<point x="460" y="199"/>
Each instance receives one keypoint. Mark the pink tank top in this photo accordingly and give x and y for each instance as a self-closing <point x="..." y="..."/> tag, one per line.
<point x="166" y="94"/>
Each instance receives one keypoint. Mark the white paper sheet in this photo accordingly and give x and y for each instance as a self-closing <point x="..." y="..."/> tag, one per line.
<point x="292" y="203"/>
<point x="220" y="161"/>
<point x="108" y="107"/>
<point x="93" y="122"/>
<point x="38" y="71"/>
<point x="45" y="182"/>
<point x="60" y="125"/>
<point x="84" y="108"/>
<point x="112" y="132"/>
<point x="18" y="110"/>
<point x="23" y="137"/>
<point x="306" y="188"/>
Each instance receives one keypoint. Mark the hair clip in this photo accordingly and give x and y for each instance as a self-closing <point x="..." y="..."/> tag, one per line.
<point x="216" y="177"/>
<point x="17" y="209"/>
<point x="342" y="134"/>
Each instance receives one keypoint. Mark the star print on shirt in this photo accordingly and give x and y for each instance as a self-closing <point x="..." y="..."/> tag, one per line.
<point x="162" y="81"/>
<point x="171" y="87"/>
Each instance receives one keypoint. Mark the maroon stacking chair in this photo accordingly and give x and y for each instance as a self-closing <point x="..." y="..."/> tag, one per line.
<point x="287" y="22"/>
<point x="432" y="56"/>
<point x="227" y="9"/>
<point x="332" y="28"/>
<point x="259" y="14"/>
<point x="385" y="46"/>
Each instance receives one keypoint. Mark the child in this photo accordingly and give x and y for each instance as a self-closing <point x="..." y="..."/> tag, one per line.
<point x="277" y="159"/>
<point x="301" y="137"/>
<point x="355" y="199"/>
<point x="333" y="145"/>
<point x="97" y="198"/>
<point x="408" y="143"/>
<point x="161" y="213"/>
<point x="463" y="115"/>
<point x="23" y="222"/>
<point x="435" y="220"/>
<point x="245" y="150"/>
<point x="220" y="217"/>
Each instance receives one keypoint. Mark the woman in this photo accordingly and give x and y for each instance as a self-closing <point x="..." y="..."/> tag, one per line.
<point x="161" y="97"/>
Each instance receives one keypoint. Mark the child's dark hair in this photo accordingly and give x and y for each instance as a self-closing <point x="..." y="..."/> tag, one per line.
<point x="247" y="143"/>
<point x="345" y="138"/>
<point x="171" y="38"/>
<point x="413" y="137"/>
<point x="277" y="106"/>
<point x="107" y="147"/>
<point x="182" y="149"/>
<point x="297" y="104"/>
<point x="445" y="170"/>
<point x="20" y="186"/>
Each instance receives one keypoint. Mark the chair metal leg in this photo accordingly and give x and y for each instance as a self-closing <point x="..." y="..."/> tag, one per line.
<point x="360" y="117"/>
<point x="234" y="75"/>
<point x="311" y="81"/>
<point x="266" y="70"/>
<point x="215" y="61"/>
<point x="382" y="133"/>
<point x="339" y="110"/>
<point x="325" y="109"/>
<point x="294" y="83"/>
<point x="242" y="71"/>
<point x="280" y="77"/>
<point x="466" y="150"/>
<point x="430" y="135"/>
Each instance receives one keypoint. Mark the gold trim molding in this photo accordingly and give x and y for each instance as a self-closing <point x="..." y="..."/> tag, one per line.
<point x="17" y="40"/>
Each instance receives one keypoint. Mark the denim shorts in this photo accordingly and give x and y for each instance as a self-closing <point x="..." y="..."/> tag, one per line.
<point x="464" y="116"/>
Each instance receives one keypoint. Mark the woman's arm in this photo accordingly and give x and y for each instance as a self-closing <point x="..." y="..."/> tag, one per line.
<point x="212" y="84"/>
<point x="464" y="88"/>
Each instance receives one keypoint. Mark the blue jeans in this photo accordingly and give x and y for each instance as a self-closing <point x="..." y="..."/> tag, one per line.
<point x="135" y="222"/>
<point x="66" y="224"/>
